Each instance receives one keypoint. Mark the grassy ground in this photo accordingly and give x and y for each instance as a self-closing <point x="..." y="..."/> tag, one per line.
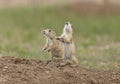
<point x="96" y="37"/>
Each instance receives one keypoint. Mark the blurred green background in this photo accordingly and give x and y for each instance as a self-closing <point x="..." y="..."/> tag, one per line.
<point x="96" y="34"/>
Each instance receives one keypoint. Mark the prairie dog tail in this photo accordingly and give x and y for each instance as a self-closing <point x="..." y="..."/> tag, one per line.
<point x="75" y="60"/>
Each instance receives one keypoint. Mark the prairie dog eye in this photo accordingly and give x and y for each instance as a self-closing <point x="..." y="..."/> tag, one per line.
<point x="49" y="30"/>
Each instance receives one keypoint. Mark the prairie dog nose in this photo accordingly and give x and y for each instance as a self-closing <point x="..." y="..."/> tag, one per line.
<point x="67" y="23"/>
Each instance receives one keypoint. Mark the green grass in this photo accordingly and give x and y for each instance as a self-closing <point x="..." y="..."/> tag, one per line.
<point x="96" y="37"/>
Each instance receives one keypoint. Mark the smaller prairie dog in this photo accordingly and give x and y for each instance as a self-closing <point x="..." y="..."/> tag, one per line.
<point x="69" y="47"/>
<point x="54" y="46"/>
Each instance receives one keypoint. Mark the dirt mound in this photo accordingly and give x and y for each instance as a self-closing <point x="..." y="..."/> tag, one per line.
<point x="24" y="71"/>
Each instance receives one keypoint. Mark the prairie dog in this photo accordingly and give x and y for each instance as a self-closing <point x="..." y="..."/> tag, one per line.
<point x="52" y="45"/>
<point x="69" y="47"/>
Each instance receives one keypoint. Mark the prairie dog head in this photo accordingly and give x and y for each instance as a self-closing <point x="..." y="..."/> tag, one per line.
<point x="67" y="28"/>
<point x="49" y="33"/>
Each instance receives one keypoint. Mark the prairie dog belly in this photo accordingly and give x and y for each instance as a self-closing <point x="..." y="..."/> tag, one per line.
<point x="55" y="53"/>
<point x="67" y="51"/>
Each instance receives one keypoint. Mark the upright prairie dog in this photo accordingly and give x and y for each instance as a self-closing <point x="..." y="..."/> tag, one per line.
<point x="69" y="47"/>
<point x="54" y="46"/>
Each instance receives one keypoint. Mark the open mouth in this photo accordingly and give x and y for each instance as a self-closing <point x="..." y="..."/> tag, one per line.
<point x="43" y="32"/>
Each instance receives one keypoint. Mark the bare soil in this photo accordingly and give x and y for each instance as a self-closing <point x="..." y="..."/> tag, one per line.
<point x="25" y="71"/>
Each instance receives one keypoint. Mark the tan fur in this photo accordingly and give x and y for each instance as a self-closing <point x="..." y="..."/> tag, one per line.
<point x="52" y="45"/>
<point x="69" y="47"/>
